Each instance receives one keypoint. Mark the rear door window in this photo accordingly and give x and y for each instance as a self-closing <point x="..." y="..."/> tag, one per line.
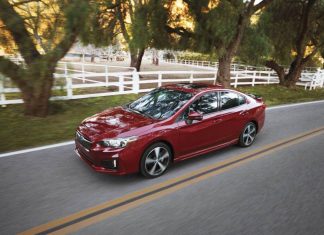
<point x="230" y="100"/>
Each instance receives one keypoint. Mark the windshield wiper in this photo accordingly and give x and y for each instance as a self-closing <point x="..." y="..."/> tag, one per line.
<point x="139" y="112"/>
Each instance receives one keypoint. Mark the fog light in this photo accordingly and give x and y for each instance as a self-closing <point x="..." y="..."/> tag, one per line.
<point x="111" y="164"/>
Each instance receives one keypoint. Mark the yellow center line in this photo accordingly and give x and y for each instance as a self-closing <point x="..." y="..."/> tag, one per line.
<point x="114" y="207"/>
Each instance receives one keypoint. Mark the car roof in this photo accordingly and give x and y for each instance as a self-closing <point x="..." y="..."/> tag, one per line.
<point x="193" y="87"/>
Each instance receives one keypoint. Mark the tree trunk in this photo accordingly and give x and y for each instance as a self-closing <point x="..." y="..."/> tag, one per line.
<point x="288" y="79"/>
<point x="294" y="73"/>
<point x="36" y="98"/>
<point x="136" y="59"/>
<point x="224" y="71"/>
<point x="224" y="67"/>
<point x="278" y="69"/>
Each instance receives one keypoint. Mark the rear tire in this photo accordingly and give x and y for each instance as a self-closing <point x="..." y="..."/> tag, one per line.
<point x="155" y="160"/>
<point x="248" y="135"/>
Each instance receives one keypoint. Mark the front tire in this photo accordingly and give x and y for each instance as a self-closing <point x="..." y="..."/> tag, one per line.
<point x="248" y="135"/>
<point x="155" y="160"/>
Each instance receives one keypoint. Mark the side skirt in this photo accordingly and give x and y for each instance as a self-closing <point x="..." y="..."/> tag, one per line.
<point x="204" y="151"/>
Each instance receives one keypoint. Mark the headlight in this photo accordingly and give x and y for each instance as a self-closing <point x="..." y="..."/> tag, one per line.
<point x="118" y="142"/>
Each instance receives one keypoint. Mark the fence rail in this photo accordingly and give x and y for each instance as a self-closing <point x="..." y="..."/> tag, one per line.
<point x="311" y="77"/>
<point x="214" y="65"/>
<point x="113" y="83"/>
<point x="234" y="66"/>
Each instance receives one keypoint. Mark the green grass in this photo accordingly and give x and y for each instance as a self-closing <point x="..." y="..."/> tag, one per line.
<point x="276" y="95"/>
<point x="19" y="132"/>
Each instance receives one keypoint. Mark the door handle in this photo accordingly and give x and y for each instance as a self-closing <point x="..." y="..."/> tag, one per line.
<point x="243" y="112"/>
<point x="218" y="120"/>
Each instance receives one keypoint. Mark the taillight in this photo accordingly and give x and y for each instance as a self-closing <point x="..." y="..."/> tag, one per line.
<point x="256" y="97"/>
<point x="259" y="99"/>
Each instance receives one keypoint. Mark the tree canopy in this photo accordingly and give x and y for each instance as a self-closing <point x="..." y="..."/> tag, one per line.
<point x="220" y="26"/>
<point x="141" y="24"/>
<point x="295" y="34"/>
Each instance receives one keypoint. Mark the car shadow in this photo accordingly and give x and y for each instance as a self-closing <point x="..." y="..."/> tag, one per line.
<point x="176" y="169"/>
<point x="135" y="178"/>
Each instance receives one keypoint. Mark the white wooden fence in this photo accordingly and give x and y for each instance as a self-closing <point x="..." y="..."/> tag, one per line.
<point x="213" y="65"/>
<point x="75" y="80"/>
<point x="311" y="77"/>
<point x="78" y="80"/>
<point x="234" y="66"/>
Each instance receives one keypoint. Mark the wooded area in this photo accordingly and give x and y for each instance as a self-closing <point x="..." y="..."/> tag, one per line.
<point x="276" y="33"/>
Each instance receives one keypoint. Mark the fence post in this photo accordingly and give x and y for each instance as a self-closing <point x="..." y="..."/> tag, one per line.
<point x="83" y="75"/>
<point x="68" y="82"/>
<point x="2" y="94"/>
<point x="121" y="83"/>
<point x="253" y="80"/>
<point x="106" y="75"/>
<point x="136" y="85"/>
<point x="69" y="87"/>
<point x="65" y="69"/>
<point x="236" y="79"/>
<point x="191" y="77"/>
<point x="160" y="79"/>
<point x="269" y="77"/>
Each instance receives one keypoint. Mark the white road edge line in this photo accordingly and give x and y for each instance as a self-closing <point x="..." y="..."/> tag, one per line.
<point x="36" y="149"/>
<point x="72" y="142"/>
<point x="296" y="104"/>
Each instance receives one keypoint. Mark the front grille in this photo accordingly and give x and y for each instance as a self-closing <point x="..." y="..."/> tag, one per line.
<point x="83" y="141"/>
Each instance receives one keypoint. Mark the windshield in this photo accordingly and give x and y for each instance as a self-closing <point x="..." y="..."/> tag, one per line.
<point x="160" y="103"/>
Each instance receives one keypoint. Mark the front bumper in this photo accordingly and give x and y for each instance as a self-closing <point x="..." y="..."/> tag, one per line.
<point x="97" y="168"/>
<point x="110" y="161"/>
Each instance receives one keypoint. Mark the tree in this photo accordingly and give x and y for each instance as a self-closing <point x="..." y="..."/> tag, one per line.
<point x="296" y="35"/>
<point x="220" y="26"/>
<point x="43" y="20"/>
<point x="35" y="77"/>
<point x="255" y="47"/>
<point x="141" y="23"/>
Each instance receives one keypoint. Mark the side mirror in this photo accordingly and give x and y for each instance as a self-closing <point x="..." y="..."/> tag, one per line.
<point x="195" y="116"/>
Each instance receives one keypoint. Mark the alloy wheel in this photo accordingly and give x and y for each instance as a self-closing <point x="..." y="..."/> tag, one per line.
<point x="156" y="161"/>
<point x="249" y="134"/>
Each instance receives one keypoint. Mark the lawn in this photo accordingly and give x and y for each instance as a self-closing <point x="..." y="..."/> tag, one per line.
<point x="19" y="132"/>
<point x="276" y="95"/>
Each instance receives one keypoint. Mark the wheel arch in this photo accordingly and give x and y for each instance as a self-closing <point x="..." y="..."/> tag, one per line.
<point x="256" y="124"/>
<point x="168" y="143"/>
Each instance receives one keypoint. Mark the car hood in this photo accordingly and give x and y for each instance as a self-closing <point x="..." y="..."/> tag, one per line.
<point x="112" y="123"/>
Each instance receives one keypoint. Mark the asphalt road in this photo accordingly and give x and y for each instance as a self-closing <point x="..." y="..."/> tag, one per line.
<point x="281" y="192"/>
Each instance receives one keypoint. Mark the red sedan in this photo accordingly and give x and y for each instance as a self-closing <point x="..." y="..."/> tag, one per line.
<point x="169" y="124"/>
